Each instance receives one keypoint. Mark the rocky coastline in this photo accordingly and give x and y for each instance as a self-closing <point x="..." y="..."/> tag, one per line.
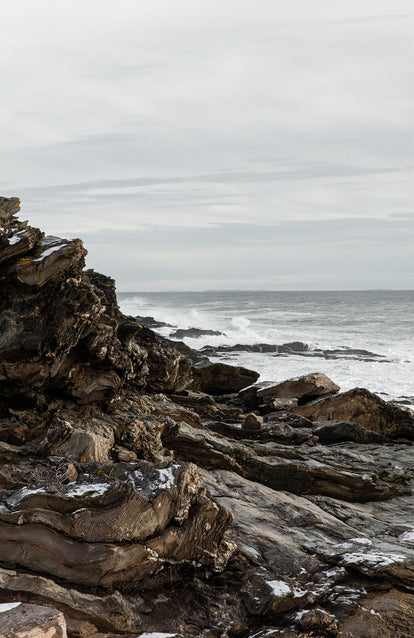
<point x="146" y="491"/>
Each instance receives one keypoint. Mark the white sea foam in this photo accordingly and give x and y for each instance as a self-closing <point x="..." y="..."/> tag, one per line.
<point x="380" y="322"/>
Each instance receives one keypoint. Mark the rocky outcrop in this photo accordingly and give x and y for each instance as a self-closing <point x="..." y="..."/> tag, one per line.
<point x="86" y="349"/>
<point x="363" y="408"/>
<point x="135" y="503"/>
<point x="220" y="378"/>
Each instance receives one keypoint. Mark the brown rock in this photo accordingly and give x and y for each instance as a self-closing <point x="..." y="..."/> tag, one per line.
<point x="220" y="378"/>
<point x="252" y="422"/>
<point x="306" y="388"/>
<point x="32" y="621"/>
<point x="364" y="408"/>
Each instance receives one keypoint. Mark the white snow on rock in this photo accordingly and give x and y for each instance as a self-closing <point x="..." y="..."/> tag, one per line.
<point x="156" y="634"/>
<point x="166" y="478"/>
<point x="91" y="489"/>
<point x="8" y="606"/>
<point x="279" y="588"/>
<point x="372" y="559"/>
<point x="20" y="495"/>
<point x="407" y="537"/>
<point x="50" y="251"/>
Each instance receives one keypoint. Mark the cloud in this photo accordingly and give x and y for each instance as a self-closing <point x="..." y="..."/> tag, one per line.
<point x="290" y="119"/>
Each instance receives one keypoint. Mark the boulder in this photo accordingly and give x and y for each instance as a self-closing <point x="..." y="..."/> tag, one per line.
<point x="221" y="378"/>
<point x="359" y="406"/>
<point x="252" y="422"/>
<point x="305" y="389"/>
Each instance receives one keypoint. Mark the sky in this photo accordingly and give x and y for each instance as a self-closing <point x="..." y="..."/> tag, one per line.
<point x="216" y="144"/>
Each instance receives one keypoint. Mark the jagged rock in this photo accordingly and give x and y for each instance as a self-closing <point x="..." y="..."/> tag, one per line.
<point x="364" y="408"/>
<point x="304" y="388"/>
<point x="220" y="378"/>
<point x="85" y="349"/>
<point x="32" y="621"/>
<point x="252" y="422"/>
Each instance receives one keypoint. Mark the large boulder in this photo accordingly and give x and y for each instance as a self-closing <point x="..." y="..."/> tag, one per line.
<point x="221" y="378"/>
<point x="364" y="408"/>
<point x="306" y="388"/>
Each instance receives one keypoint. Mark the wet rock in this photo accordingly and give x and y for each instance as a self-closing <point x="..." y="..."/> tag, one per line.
<point x="220" y="378"/>
<point x="195" y="333"/>
<point x="32" y="621"/>
<point x="153" y="324"/>
<point x="252" y="422"/>
<point x="363" y="408"/>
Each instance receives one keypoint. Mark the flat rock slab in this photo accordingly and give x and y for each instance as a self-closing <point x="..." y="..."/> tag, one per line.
<point x="32" y="621"/>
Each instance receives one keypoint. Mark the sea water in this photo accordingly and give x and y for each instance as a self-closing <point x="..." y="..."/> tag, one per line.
<point x="380" y="322"/>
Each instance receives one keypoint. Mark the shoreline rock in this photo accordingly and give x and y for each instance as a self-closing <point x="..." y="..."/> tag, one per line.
<point x="141" y="491"/>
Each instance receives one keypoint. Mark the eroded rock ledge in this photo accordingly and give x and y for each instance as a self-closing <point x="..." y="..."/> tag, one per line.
<point x="133" y="501"/>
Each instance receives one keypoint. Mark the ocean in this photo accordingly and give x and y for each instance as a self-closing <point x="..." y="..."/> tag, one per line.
<point x="358" y="338"/>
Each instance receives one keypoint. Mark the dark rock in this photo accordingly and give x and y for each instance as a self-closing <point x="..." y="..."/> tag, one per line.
<point x="339" y="431"/>
<point x="153" y="324"/>
<point x="294" y="346"/>
<point x="363" y="408"/>
<point x="220" y="378"/>
<point x="252" y="422"/>
<point x="194" y="333"/>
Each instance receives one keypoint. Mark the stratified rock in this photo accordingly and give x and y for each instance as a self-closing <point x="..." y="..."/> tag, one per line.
<point x="364" y="408"/>
<point x="220" y="378"/>
<point x="85" y="349"/>
<point x="272" y="465"/>
<point x="162" y="513"/>
<point x="32" y="621"/>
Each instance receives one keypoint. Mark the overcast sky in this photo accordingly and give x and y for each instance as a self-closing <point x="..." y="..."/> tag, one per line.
<point x="196" y="144"/>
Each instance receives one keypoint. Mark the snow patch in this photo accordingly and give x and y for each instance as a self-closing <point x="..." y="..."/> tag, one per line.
<point x="8" y="606"/>
<point x="20" y="495"/>
<point x="279" y="588"/>
<point x="91" y="489"/>
<point x="156" y="634"/>
<point x="372" y="559"/>
<point x="50" y="251"/>
<point x="407" y="537"/>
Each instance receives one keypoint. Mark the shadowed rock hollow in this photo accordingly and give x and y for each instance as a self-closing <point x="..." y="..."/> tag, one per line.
<point x="133" y="501"/>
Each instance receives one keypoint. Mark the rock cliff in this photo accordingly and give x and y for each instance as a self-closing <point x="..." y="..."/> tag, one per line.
<point x="131" y="501"/>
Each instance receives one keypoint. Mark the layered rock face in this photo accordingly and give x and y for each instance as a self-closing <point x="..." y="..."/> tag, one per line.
<point x="132" y="501"/>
